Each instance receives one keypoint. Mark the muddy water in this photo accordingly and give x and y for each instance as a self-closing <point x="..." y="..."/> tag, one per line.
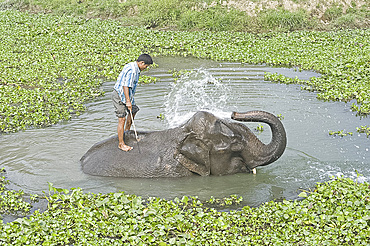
<point x="35" y="157"/>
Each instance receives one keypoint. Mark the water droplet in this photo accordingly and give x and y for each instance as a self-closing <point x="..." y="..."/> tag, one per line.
<point x="194" y="91"/>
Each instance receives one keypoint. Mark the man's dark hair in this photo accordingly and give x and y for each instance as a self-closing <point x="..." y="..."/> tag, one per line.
<point x="145" y="58"/>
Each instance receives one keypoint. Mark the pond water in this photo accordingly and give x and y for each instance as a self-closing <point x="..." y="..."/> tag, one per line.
<point x="34" y="157"/>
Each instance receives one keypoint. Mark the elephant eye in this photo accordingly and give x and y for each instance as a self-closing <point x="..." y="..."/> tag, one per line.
<point x="225" y="138"/>
<point x="224" y="129"/>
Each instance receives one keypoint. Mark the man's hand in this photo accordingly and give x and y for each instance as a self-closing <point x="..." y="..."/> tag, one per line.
<point x="129" y="105"/>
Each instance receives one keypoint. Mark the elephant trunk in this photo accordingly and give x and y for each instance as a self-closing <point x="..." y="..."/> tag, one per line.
<point x="272" y="151"/>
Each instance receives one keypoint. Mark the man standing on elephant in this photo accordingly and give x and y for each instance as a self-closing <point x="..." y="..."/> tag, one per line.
<point x="123" y="96"/>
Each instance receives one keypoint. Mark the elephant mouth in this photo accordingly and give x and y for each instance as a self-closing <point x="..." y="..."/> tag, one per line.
<point x="238" y="165"/>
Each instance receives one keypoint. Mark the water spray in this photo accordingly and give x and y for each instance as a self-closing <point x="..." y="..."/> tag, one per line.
<point x="194" y="91"/>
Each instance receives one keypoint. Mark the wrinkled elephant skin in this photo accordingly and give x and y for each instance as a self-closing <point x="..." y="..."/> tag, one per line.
<point x="204" y="145"/>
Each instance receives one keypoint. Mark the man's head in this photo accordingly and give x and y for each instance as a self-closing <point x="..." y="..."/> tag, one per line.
<point x="144" y="61"/>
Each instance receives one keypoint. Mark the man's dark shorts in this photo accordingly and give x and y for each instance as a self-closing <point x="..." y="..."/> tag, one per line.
<point x="120" y="108"/>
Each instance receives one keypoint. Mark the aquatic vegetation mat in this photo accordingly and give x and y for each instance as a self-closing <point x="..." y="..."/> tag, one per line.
<point x="335" y="213"/>
<point x="11" y="201"/>
<point x="50" y="66"/>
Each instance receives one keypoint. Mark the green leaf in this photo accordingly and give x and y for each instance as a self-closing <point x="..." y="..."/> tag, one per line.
<point x="303" y="194"/>
<point x="103" y="202"/>
<point x="185" y="200"/>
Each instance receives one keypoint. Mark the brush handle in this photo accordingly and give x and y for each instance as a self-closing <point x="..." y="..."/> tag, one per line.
<point x="133" y="124"/>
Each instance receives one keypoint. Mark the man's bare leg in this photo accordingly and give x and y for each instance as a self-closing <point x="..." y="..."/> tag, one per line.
<point x="121" y="143"/>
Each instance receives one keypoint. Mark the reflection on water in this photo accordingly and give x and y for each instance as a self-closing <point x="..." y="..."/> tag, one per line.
<point x="37" y="156"/>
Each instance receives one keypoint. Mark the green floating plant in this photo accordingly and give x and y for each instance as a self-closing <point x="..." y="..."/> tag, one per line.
<point x="175" y="73"/>
<point x="259" y="128"/>
<point x="364" y="129"/>
<point x="280" y="116"/>
<point x="336" y="211"/>
<point x="56" y="63"/>
<point x="147" y="79"/>
<point x="11" y="201"/>
<point x="340" y="133"/>
<point x="161" y="117"/>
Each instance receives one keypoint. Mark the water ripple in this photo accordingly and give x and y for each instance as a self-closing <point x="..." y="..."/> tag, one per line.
<point x="35" y="157"/>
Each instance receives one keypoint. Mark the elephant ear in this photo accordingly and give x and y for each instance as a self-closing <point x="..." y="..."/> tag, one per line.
<point x="193" y="153"/>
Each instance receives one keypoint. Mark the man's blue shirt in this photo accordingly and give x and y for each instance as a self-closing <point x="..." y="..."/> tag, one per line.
<point x="128" y="77"/>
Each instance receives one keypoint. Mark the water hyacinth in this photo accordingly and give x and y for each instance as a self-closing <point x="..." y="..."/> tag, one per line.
<point x="50" y="66"/>
<point x="334" y="213"/>
<point x="11" y="201"/>
<point x="54" y="64"/>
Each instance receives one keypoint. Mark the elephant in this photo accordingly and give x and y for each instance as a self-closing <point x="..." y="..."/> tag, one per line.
<point x="204" y="145"/>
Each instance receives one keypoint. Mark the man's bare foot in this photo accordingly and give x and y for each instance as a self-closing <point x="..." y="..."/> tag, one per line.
<point x="124" y="147"/>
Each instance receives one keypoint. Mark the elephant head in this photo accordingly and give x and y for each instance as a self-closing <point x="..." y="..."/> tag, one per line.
<point x="214" y="146"/>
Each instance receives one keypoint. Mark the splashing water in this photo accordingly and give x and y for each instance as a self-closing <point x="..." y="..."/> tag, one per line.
<point x="195" y="91"/>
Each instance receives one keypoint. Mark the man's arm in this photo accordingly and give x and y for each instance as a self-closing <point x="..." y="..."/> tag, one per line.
<point x="127" y="97"/>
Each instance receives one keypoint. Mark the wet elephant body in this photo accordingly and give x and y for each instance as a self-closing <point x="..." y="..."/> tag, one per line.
<point x="204" y="145"/>
<point x="152" y="158"/>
